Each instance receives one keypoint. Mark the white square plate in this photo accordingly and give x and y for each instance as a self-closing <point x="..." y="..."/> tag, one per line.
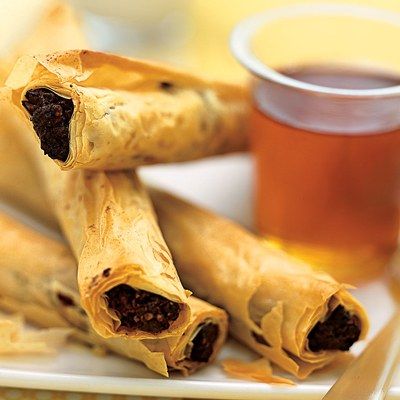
<point x="224" y="185"/>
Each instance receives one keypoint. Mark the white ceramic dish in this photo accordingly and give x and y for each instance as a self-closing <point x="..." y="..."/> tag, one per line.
<point x="224" y="185"/>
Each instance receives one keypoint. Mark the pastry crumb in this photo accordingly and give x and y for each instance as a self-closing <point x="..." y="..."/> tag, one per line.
<point x="259" y="370"/>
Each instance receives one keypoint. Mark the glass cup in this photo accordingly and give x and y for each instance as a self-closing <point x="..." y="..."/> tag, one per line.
<point x="326" y="133"/>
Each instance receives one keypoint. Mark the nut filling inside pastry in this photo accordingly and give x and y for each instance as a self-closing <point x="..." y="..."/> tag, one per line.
<point x="141" y="310"/>
<point x="50" y="115"/>
<point x="338" y="332"/>
<point x="203" y="342"/>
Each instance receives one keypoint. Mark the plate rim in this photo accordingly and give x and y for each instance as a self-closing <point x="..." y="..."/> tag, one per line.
<point x="155" y="386"/>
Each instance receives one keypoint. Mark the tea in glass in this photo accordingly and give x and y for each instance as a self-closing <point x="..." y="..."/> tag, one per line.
<point x="326" y="133"/>
<point x="332" y="198"/>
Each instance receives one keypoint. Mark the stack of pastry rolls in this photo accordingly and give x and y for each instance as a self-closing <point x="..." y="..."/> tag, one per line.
<point x="50" y="296"/>
<point x="97" y="117"/>
<point x="124" y="263"/>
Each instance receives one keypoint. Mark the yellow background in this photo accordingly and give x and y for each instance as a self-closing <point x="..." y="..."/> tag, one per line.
<point x="214" y="20"/>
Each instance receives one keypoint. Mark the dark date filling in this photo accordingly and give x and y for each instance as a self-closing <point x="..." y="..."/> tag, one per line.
<point x="141" y="310"/>
<point x="338" y="332"/>
<point x="203" y="342"/>
<point x="50" y="115"/>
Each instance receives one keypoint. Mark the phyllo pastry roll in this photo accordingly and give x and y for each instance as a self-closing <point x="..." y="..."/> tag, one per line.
<point x="200" y="342"/>
<point x="127" y="280"/>
<point x="298" y="318"/>
<point x="39" y="281"/>
<point x="100" y="111"/>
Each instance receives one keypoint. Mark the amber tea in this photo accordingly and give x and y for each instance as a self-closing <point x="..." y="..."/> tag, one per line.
<point x="328" y="180"/>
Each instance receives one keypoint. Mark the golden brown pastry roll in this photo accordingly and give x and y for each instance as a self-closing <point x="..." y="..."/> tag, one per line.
<point x="100" y="111"/>
<point x="126" y="277"/>
<point x="39" y="281"/>
<point x="41" y="27"/>
<point x="281" y="308"/>
<point x="200" y="342"/>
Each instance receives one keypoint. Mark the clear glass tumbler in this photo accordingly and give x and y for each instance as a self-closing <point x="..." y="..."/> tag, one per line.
<point x="326" y="132"/>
